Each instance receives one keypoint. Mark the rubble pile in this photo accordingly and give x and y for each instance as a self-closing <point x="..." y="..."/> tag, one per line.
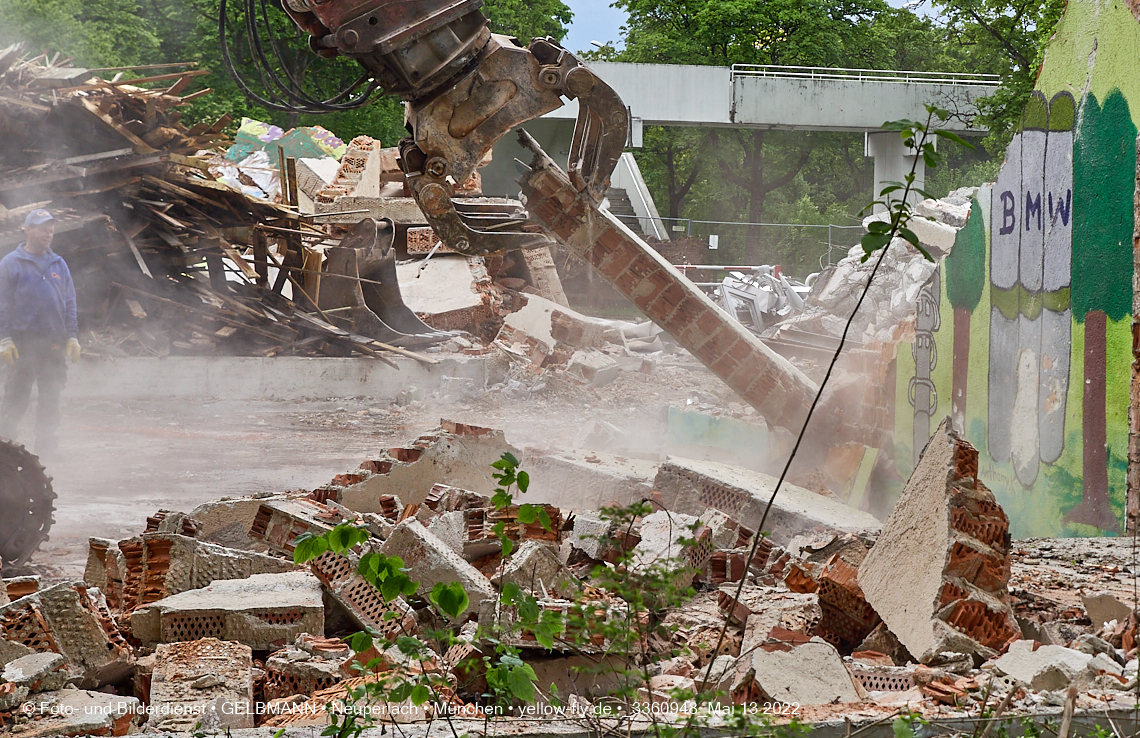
<point x="178" y="249"/>
<point x="888" y="312"/>
<point x="936" y="608"/>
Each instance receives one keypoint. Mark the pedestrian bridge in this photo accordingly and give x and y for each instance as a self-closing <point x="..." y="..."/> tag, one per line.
<point x="764" y="96"/>
<point x="801" y="98"/>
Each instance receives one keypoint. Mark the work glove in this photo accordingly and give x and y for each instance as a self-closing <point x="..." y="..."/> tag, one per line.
<point x="8" y="353"/>
<point x="72" y="350"/>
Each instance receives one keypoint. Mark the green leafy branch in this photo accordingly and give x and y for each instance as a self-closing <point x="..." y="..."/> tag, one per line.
<point x="919" y="137"/>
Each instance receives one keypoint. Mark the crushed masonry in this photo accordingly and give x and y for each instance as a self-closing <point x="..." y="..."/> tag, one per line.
<point x="938" y="574"/>
<point x="74" y="621"/>
<point x="690" y="486"/>
<point x="258" y="611"/>
<point x="138" y="571"/>
<point x="204" y="681"/>
<point x="828" y="614"/>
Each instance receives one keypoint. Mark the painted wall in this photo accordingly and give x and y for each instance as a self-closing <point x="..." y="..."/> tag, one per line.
<point x="1027" y="344"/>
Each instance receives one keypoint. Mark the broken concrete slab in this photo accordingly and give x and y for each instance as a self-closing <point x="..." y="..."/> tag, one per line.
<point x="939" y="572"/>
<point x="1103" y="607"/>
<point x="454" y="454"/>
<point x="587" y="480"/>
<point x="449" y="292"/>
<point x="770" y="608"/>
<point x="158" y="565"/>
<point x="432" y="561"/>
<point x="74" y="621"/>
<point x="593" y="367"/>
<point x="690" y="486"/>
<point x="591" y="534"/>
<point x="259" y="611"/>
<point x="662" y="533"/>
<point x="227" y="521"/>
<point x="206" y="682"/>
<point x="535" y="326"/>
<point x="1049" y="667"/>
<point x="77" y="712"/>
<point x="812" y="673"/>
<point x="39" y="672"/>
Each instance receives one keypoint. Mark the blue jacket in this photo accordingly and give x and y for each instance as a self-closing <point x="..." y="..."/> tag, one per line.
<point x="36" y="300"/>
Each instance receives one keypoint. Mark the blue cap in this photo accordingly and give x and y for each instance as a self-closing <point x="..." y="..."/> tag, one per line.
<point x="37" y="217"/>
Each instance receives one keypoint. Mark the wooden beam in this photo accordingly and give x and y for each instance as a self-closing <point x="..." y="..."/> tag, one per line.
<point x="140" y="146"/>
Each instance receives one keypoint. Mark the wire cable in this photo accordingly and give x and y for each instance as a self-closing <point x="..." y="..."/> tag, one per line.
<point x="281" y="93"/>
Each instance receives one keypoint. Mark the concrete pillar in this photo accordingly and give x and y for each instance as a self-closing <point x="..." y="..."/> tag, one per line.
<point x="892" y="162"/>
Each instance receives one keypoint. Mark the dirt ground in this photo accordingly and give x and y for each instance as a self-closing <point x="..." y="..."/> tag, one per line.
<point x="121" y="461"/>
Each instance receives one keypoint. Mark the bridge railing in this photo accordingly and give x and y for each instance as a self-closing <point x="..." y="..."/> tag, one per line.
<point x="865" y="75"/>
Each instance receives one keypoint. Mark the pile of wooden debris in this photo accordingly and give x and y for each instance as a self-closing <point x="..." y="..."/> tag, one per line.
<point x="167" y="259"/>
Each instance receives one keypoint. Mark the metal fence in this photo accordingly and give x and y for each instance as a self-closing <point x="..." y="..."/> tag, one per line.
<point x="865" y="75"/>
<point x="800" y="248"/>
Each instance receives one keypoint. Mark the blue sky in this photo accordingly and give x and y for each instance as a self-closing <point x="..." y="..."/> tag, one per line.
<point x="594" y="20"/>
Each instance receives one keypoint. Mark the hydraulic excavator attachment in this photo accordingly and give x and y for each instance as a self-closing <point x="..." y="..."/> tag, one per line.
<point x="465" y="88"/>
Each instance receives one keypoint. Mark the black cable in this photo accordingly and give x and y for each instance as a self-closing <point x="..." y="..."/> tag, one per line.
<point x="279" y="95"/>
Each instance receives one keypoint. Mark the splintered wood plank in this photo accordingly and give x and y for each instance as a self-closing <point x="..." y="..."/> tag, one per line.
<point x="135" y="308"/>
<point x="137" y="254"/>
<point x="249" y="272"/>
<point x="140" y="146"/>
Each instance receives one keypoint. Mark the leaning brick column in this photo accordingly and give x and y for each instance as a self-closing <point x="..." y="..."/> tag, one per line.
<point x="767" y="381"/>
<point x="1132" y="508"/>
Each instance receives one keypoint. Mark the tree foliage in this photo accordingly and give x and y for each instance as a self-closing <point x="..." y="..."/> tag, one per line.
<point x="1005" y="37"/>
<point x="114" y="33"/>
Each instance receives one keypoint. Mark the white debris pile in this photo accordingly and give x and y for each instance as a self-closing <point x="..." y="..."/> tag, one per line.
<point x="894" y="299"/>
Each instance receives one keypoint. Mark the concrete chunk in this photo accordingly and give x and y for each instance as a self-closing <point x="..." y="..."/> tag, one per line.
<point x="78" y="712"/>
<point x="207" y="681"/>
<point x="1103" y="607"/>
<point x="454" y="454"/>
<point x="661" y="534"/>
<point x="39" y="672"/>
<point x="258" y="611"/>
<point x="593" y="367"/>
<point x="535" y="567"/>
<point x="72" y="620"/>
<point x="431" y="561"/>
<point x="938" y="574"/>
<point x="809" y="674"/>
<point x="588" y="480"/>
<point x="1049" y="667"/>
<point x="692" y="487"/>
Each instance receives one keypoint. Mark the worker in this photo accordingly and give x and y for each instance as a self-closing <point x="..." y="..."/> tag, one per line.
<point x="38" y="329"/>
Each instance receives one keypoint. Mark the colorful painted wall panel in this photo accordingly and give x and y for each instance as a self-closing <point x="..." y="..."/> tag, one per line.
<point x="1033" y="304"/>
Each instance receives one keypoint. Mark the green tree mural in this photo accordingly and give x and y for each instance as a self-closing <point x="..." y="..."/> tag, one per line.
<point x="965" y="281"/>
<point x="1104" y="172"/>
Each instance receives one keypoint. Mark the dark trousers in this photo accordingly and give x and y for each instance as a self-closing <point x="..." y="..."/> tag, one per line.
<point x="41" y="363"/>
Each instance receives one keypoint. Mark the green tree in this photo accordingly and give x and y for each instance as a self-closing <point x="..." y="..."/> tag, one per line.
<point x="96" y="33"/>
<point x="526" y="19"/>
<point x="965" y="279"/>
<point x="1104" y="171"/>
<point x="1005" y="37"/>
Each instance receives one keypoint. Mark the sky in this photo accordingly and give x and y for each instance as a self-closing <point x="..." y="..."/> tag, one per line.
<point x="594" y="20"/>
